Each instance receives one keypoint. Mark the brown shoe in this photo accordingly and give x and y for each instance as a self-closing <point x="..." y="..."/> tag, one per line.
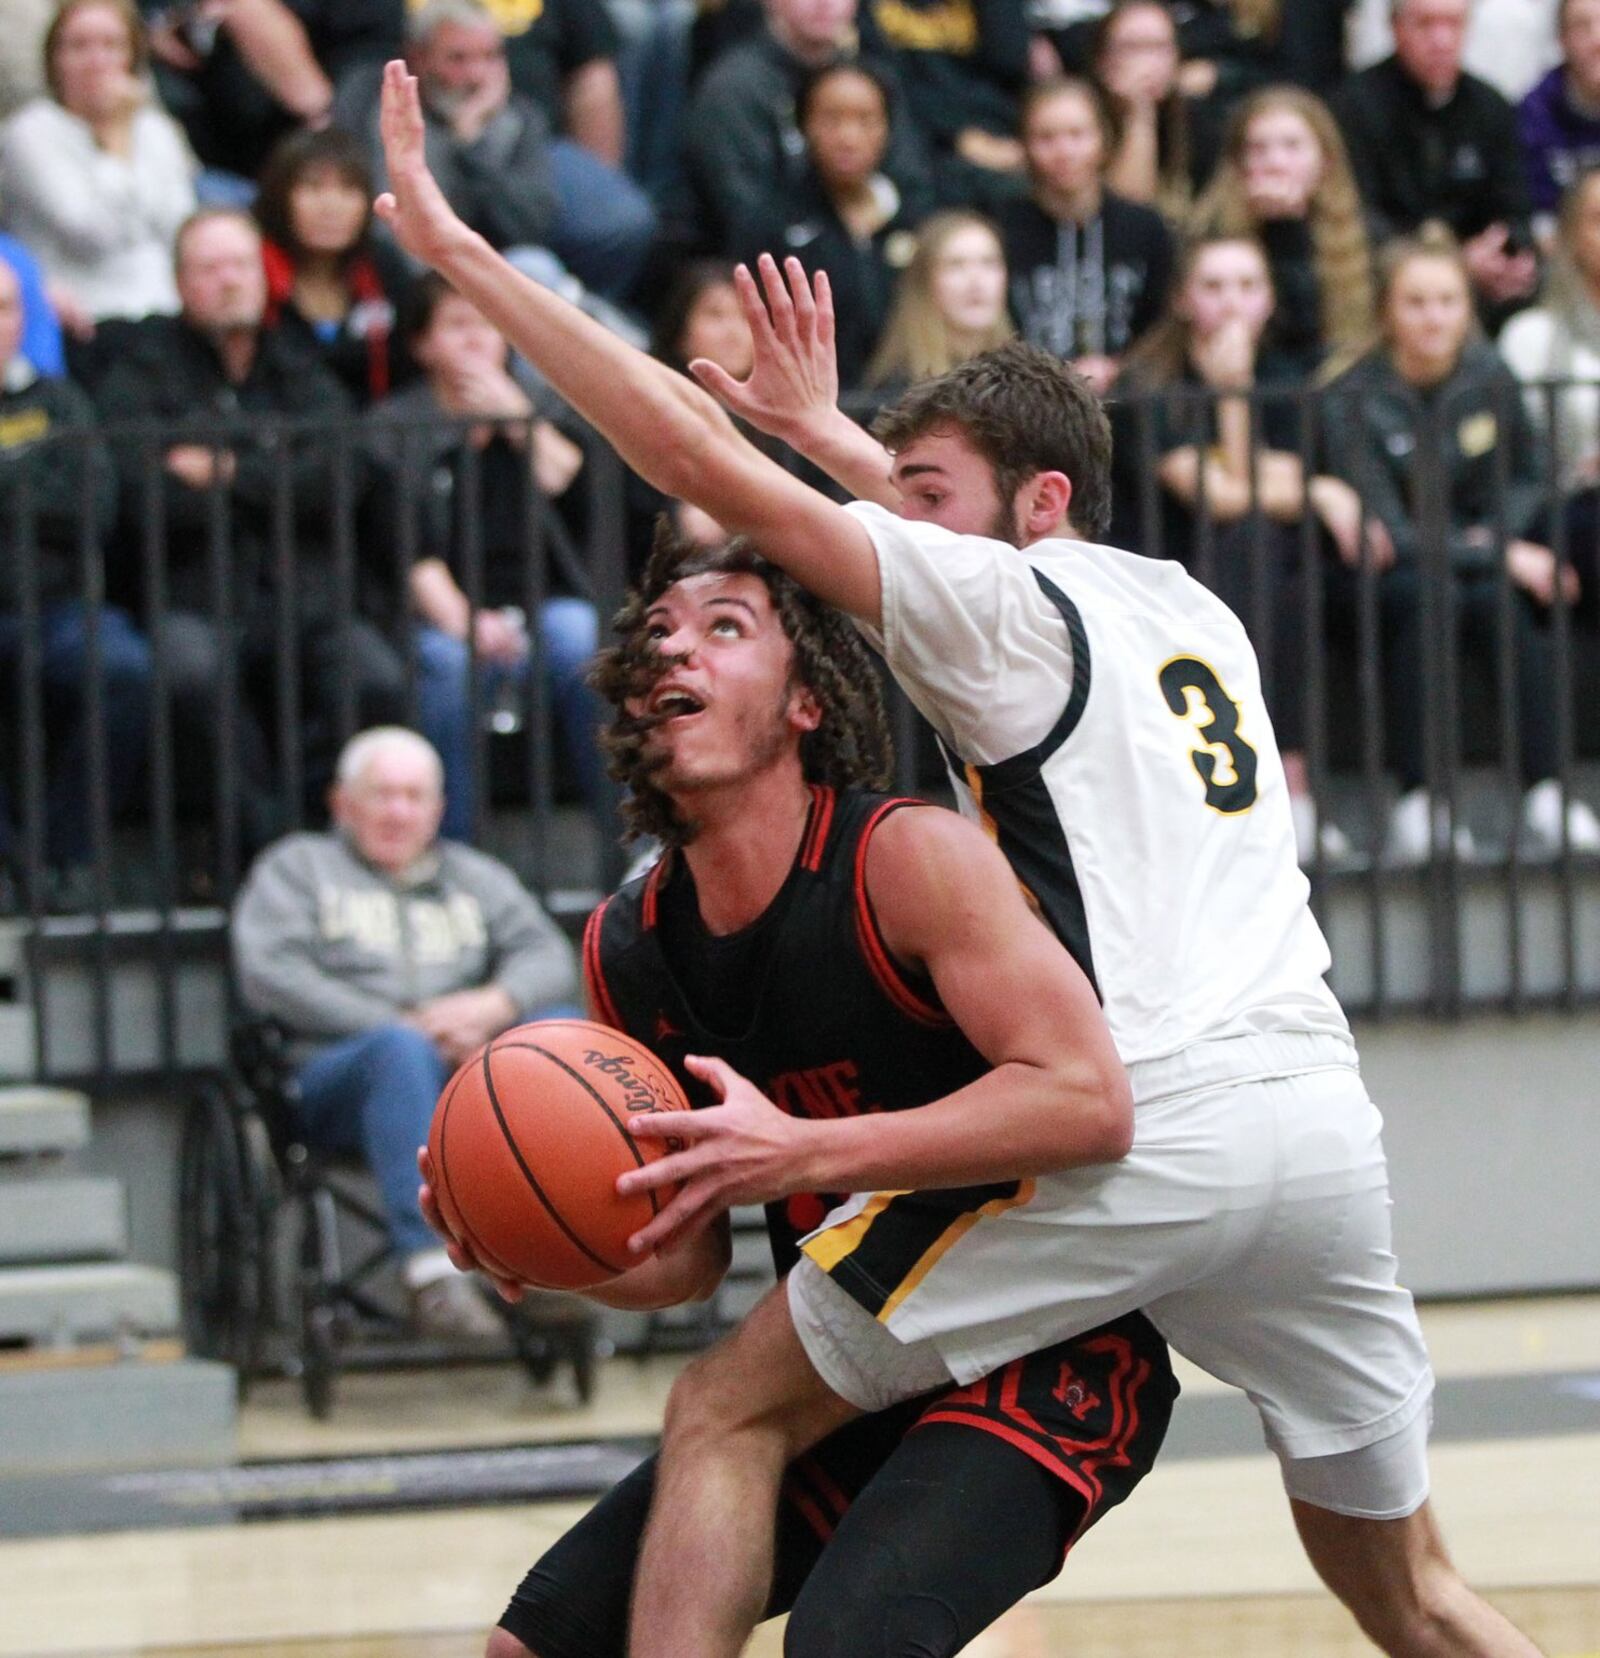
<point x="455" y="1309"/>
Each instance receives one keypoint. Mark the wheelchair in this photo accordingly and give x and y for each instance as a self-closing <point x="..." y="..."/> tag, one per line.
<point x="285" y="1258"/>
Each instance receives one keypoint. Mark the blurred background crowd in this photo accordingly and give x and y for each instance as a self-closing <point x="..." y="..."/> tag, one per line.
<point x="1299" y="245"/>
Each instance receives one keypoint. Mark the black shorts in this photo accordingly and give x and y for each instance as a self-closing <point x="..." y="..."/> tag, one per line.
<point x="926" y="1521"/>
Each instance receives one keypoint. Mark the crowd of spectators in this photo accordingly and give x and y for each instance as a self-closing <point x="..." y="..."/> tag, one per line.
<point x="1219" y="211"/>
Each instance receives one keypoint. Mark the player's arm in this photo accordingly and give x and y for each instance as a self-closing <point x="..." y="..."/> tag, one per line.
<point x="663" y="425"/>
<point x="1056" y="1096"/>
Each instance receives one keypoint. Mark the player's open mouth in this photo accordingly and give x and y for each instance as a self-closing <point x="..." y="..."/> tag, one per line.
<point x="674" y="703"/>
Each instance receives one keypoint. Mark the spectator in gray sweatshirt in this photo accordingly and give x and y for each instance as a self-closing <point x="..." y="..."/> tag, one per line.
<point x="389" y="955"/>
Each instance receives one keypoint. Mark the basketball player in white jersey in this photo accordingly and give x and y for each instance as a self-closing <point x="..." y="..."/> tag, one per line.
<point x="1104" y="714"/>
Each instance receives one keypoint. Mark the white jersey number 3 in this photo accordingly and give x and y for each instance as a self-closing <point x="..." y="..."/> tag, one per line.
<point x="1225" y="762"/>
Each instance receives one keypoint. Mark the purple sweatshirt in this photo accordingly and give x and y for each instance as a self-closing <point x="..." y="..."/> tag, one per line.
<point x="1557" y="141"/>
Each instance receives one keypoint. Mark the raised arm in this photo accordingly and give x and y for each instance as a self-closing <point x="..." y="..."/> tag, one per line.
<point x="663" y="425"/>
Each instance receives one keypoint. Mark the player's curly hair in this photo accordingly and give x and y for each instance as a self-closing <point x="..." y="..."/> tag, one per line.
<point x="850" y="748"/>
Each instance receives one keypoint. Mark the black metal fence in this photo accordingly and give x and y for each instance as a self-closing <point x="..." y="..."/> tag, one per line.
<point x="180" y="669"/>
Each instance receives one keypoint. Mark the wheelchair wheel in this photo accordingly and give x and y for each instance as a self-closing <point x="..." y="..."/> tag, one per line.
<point x="320" y="1322"/>
<point x="224" y="1211"/>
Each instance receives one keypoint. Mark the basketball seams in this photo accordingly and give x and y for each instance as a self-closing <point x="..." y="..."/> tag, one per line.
<point x="522" y="1163"/>
<point x="479" y="1249"/>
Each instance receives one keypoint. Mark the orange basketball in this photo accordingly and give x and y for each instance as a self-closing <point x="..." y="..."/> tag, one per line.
<point x="528" y="1139"/>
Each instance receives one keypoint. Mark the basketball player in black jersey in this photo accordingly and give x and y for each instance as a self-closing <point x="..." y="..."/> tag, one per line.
<point x="800" y="936"/>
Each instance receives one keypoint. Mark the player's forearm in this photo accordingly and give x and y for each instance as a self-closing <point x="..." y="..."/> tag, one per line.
<point x="667" y="429"/>
<point x="1017" y="1121"/>
<point x="849" y="454"/>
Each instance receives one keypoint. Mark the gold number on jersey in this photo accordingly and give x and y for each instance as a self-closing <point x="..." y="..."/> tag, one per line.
<point x="1225" y="761"/>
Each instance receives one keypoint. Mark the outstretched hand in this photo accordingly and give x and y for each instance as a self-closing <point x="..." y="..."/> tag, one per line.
<point x="744" y="1150"/>
<point x="794" y="376"/>
<point x="413" y="207"/>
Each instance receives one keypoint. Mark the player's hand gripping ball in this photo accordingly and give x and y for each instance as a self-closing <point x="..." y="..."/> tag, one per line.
<point x="528" y="1139"/>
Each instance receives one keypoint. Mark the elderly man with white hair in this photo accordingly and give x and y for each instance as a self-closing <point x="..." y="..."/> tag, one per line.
<point x="389" y="955"/>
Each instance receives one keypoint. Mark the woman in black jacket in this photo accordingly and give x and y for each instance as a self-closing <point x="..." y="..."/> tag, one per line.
<point x="846" y="216"/>
<point x="1434" y="404"/>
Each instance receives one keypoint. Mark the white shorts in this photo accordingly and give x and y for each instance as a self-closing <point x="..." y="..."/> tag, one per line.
<point x="1250" y="1222"/>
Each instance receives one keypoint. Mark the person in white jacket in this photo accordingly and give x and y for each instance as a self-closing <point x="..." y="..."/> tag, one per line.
<point x="96" y="177"/>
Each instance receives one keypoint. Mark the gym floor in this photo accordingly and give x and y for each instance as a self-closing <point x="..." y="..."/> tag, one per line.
<point x="1202" y="1562"/>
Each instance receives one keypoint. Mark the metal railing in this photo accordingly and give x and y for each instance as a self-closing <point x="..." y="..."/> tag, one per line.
<point x="314" y="573"/>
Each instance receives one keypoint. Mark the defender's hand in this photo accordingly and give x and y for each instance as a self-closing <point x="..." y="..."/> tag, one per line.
<point x="794" y="376"/>
<point x="413" y="207"/>
<point x="744" y="1150"/>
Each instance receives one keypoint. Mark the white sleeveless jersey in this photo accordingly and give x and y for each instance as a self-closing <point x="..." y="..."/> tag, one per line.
<point x="1102" y="717"/>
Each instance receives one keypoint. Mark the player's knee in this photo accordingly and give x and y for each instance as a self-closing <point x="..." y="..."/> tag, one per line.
<point x="700" y="1402"/>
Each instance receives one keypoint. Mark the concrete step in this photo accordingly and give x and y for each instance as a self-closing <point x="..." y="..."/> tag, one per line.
<point x="35" y="1120"/>
<point x="130" y="1413"/>
<point x="61" y="1218"/>
<point x="17" y="1051"/>
<point x="62" y="1305"/>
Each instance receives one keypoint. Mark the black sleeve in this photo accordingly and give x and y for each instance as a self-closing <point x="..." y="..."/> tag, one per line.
<point x="583" y="32"/>
<point x="347" y="33"/>
<point x="1311" y="42"/>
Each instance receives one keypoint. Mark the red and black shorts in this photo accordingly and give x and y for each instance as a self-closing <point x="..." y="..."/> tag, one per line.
<point x="911" y="1529"/>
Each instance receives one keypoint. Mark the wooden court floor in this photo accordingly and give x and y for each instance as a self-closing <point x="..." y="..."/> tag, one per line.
<point x="1201" y="1563"/>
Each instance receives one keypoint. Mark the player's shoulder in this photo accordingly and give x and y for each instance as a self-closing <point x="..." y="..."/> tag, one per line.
<point x="914" y="841"/>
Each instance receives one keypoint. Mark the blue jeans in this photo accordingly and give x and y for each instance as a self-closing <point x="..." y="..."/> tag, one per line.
<point x="604" y="222"/>
<point x="374" y="1093"/>
<point x="569" y="631"/>
<point x="124" y="709"/>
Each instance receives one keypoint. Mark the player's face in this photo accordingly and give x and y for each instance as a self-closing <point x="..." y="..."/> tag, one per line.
<point x="943" y="480"/>
<point x="727" y="703"/>
<point x="391" y="812"/>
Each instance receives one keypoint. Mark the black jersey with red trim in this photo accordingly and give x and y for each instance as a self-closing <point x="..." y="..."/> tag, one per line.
<point x="828" y="1025"/>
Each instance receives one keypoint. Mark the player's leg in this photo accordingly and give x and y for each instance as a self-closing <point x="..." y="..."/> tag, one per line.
<point x="1310" y="1320"/>
<point x="736" y="1417"/>
<point x="980" y="1502"/>
<point x="574" y="1602"/>
<point x="1399" y="1582"/>
<point x="956" y="1528"/>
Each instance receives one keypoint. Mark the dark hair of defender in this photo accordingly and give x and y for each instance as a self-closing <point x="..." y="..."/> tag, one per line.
<point x="1025" y="411"/>
<point x="851" y="748"/>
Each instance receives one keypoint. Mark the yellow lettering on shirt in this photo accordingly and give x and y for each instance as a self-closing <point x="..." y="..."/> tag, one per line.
<point x="26" y="426"/>
<point x="951" y="27"/>
<point x="512" y="17"/>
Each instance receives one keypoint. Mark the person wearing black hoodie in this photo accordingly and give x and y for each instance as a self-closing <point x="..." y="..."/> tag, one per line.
<point x="845" y="216"/>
